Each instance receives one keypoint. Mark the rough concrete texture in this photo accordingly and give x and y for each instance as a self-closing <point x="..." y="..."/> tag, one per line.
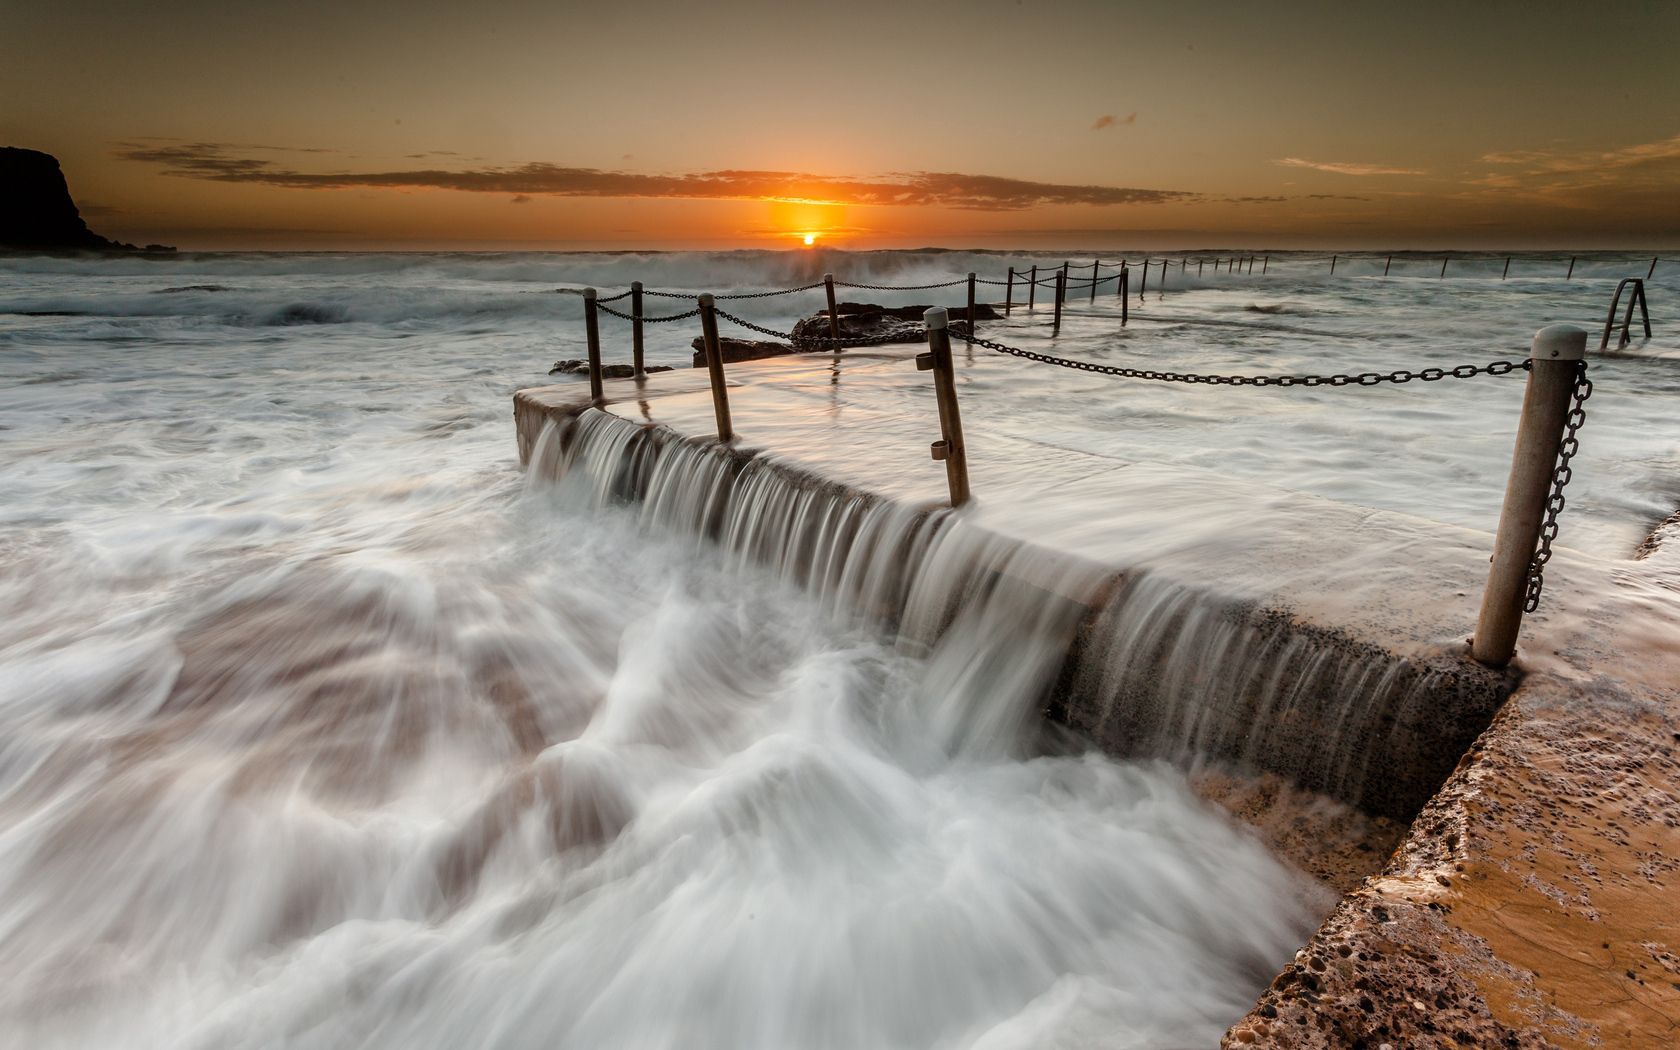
<point x="1535" y="899"/>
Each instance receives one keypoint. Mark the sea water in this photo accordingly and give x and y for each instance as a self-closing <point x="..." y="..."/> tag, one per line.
<point x="322" y="726"/>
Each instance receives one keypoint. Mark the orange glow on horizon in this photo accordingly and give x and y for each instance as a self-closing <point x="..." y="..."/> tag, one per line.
<point x="810" y="239"/>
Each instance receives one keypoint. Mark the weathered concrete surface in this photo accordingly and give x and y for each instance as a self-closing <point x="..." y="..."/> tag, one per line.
<point x="1534" y="901"/>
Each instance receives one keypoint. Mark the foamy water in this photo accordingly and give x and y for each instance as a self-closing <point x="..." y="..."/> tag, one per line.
<point x="320" y="726"/>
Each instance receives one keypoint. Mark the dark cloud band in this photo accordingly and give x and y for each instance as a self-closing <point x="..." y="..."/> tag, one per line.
<point x="219" y="163"/>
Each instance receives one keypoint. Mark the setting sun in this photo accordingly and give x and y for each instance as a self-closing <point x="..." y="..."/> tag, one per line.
<point x="810" y="239"/>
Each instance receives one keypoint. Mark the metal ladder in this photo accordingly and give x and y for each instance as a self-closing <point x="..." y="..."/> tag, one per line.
<point x="1638" y="297"/>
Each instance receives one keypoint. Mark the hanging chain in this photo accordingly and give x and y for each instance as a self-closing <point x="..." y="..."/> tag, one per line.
<point x="823" y="340"/>
<point x="648" y="320"/>
<point x="900" y="287"/>
<point x="1428" y="375"/>
<point x="1570" y="445"/>
<point x="739" y="295"/>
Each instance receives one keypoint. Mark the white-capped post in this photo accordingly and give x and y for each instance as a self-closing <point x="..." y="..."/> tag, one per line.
<point x="1556" y="363"/>
<point x="592" y="332"/>
<point x="950" y="445"/>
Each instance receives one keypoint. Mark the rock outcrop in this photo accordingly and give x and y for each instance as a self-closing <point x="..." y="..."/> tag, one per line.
<point x="571" y="366"/>
<point x="37" y="212"/>
<point x="857" y="321"/>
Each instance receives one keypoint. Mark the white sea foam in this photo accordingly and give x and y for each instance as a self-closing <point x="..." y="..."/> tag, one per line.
<point x="320" y="728"/>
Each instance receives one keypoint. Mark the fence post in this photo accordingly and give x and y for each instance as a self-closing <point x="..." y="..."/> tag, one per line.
<point x="1009" y="293"/>
<point x="1096" y="265"/>
<point x="1164" y="264"/>
<point x="636" y="330"/>
<point x="1267" y="265"/>
<point x="971" y="309"/>
<point x="1571" y="272"/>
<point x="949" y="447"/>
<point x="1032" y="289"/>
<point x="1061" y="291"/>
<point x="1125" y="293"/>
<point x="1557" y="355"/>
<point x="1443" y="267"/>
<point x="1387" y="264"/>
<point x="1653" y="268"/>
<point x="714" y="368"/>
<point x="1199" y="264"/>
<point x="1332" y="266"/>
<point x="1507" y="271"/>
<point x="1143" y="283"/>
<point x="833" y="312"/>
<point x="592" y="333"/>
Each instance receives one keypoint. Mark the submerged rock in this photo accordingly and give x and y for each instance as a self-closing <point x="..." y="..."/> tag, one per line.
<point x="572" y="366"/>
<point x="857" y="321"/>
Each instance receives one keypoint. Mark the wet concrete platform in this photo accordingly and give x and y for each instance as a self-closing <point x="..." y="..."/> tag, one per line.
<point x="1533" y="901"/>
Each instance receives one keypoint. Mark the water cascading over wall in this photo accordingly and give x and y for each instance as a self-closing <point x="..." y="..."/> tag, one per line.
<point x="1138" y="663"/>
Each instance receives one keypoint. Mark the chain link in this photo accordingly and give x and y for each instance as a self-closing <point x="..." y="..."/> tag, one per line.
<point x="1570" y="445"/>
<point x="648" y="320"/>
<point x="741" y="295"/>
<point x="899" y="287"/>
<point x="819" y="340"/>
<point x="1428" y="375"/>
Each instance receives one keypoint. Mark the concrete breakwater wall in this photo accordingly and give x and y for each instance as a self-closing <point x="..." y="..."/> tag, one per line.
<point x="1137" y="659"/>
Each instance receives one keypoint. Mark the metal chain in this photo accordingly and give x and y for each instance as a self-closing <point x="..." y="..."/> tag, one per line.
<point x="740" y="295"/>
<point x="1560" y="478"/>
<point x="627" y="293"/>
<point x="899" y="287"/>
<point x="1428" y="375"/>
<point x="648" y="320"/>
<point x="817" y="340"/>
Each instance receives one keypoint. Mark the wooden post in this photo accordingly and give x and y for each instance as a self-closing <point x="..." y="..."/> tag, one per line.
<point x="1096" y="266"/>
<point x="1125" y="289"/>
<point x="833" y="311"/>
<point x="1267" y="265"/>
<point x="1009" y="292"/>
<point x="636" y="330"/>
<point x="592" y="332"/>
<point x="1571" y="272"/>
<point x="1557" y="355"/>
<point x="1507" y="271"/>
<point x="1163" y="276"/>
<point x="949" y="447"/>
<point x="1332" y="266"/>
<point x="1443" y="267"/>
<point x="1199" y="264"/>
<point x="1183" y="263"/>
<point x="1032" y="289"/>
<point x="1653" y="268"/>
<point x="1143" y="284"/>
<point x="1061" y="292"/>
<point x="971" y="309"/>
<point x="714" y="368"/>
<point x="1387" y="264"/>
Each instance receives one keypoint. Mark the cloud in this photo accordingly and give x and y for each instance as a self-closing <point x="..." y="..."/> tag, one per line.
<point x="220" y="163"/>
<point x="1339" y="168"/>
<point x="1562" y="162"/>
<point x="1109" y="120"/>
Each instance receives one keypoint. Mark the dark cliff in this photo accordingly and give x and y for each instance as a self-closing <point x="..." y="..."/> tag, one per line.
<point x="37" y="212"/>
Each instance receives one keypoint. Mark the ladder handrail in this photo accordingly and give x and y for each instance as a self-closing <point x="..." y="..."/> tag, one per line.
<point x="1638" y="296"/>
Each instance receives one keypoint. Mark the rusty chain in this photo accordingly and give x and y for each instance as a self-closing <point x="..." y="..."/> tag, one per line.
<point x="1570" y="445"/>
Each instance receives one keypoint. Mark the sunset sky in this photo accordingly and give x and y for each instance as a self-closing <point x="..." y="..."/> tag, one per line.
<point x="1014" y="124"/>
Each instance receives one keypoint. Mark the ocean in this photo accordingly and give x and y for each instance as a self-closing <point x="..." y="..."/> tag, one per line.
<point x="323" y="725"/>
